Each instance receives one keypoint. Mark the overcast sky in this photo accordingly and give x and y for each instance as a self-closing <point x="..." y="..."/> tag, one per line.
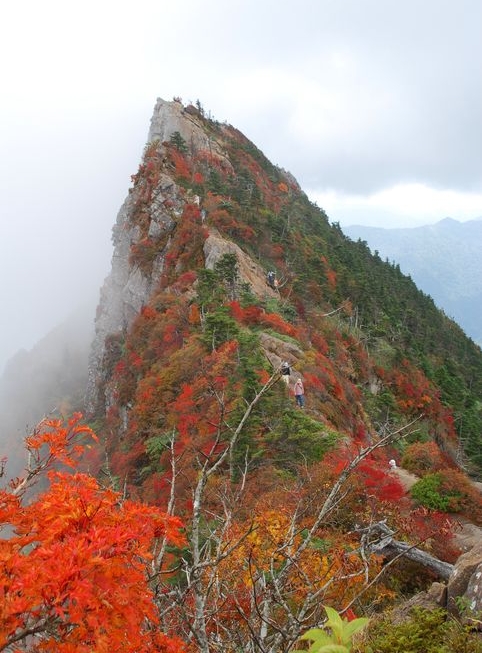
<point x="374" y="105"/>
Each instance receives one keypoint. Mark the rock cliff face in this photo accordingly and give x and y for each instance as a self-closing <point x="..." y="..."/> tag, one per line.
<point x="127" y="288"/>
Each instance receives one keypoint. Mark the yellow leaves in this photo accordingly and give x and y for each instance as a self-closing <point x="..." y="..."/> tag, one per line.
<point x="267" y="538"/>
<point x="275" y="550"/>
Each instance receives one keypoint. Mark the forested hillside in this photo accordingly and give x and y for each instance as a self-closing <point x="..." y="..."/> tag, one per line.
<point x="444" y="261"/>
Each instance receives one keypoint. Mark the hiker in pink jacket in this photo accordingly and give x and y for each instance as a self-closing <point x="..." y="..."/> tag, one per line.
<point x="300" y="393"/>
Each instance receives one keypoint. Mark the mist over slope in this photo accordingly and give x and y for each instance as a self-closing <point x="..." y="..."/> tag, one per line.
<point x="50" y="379"/>
<point x="444" y="261"/>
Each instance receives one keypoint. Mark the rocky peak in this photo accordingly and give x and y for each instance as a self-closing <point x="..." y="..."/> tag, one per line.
<point x="171" y="117"/>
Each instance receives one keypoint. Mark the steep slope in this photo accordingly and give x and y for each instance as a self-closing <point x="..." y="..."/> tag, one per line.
<point x="194" y="414"/>
<point x="444" y="261"/>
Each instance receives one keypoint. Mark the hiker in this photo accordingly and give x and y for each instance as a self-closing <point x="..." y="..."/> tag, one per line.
<point x="271" y="278"/>
<point x="285" y="372"/>
<point x="392" y="464"/>
<point x="300" y="393"/>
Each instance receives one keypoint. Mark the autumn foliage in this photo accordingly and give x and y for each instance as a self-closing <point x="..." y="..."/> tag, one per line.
<point x="74" y="557"/>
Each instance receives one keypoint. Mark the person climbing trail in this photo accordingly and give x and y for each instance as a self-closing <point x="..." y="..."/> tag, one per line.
<point x="299" y="393"/>
<point x="285" y="372"/>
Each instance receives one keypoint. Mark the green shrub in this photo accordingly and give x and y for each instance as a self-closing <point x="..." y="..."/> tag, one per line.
<point x="297" y="437"/>
<point x="464" y="498"/>
<point x="425" y="631"/>
<point x="335" y="636"/>
<point x="178" y="141"/>
<point x="427" y="493"/>
<point x="219" y="327"/>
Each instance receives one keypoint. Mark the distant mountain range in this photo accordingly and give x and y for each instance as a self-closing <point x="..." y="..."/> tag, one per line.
<point x="443" y="259"/>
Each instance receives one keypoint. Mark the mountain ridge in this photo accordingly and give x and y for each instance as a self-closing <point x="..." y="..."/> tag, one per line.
<point x="204" y="176"/>
<point x="195" y="414"/>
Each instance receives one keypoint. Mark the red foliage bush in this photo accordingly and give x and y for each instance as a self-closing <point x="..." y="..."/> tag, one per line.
<point x="277" y="323"/>
<point x="422" y="458"/>
<point x="227" y="224"/>
<point x="465" y="499"/>
<point x="181" y="165"/>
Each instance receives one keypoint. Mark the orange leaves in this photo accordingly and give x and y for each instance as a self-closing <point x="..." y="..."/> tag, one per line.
<point x="73" y="566"/>
<point x="184" y="407"/>
<point x="416" y="395"/>
<point x="263" y="376"/>
<point x="194" y="317"/>
<point x="275" y="549"/>
<point x="149" y="313"/>
<point x="180" y="162"/>
<point x="248" y="315"/>
<point x="51" y="440"/>
<point x="424" y="457"/>
<point x="314" y="382"/>
<point x="195" y="412"/>
<point x="277" y="323"/>
<point x="267" y="537"/>
<point x="185" y="247"/>
<point x="226" y="223"/>
<point x="256" y="315"/>
<point x="331" y="278"/>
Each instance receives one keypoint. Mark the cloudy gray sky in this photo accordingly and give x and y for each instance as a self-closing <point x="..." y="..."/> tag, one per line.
<point x="373" y="105"/>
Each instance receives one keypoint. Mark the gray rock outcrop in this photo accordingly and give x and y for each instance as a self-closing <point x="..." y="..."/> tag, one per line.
<point x="249" y="271"/>
<point x="464" y="588"/>
<point x="125" y="291"/>
<point x="171" y="117"/>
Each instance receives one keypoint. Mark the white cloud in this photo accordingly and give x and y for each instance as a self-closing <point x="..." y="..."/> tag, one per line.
<point x="401" y="205"/>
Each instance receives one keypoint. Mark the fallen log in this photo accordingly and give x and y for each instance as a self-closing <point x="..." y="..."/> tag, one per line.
<point x="386" y="546"/>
